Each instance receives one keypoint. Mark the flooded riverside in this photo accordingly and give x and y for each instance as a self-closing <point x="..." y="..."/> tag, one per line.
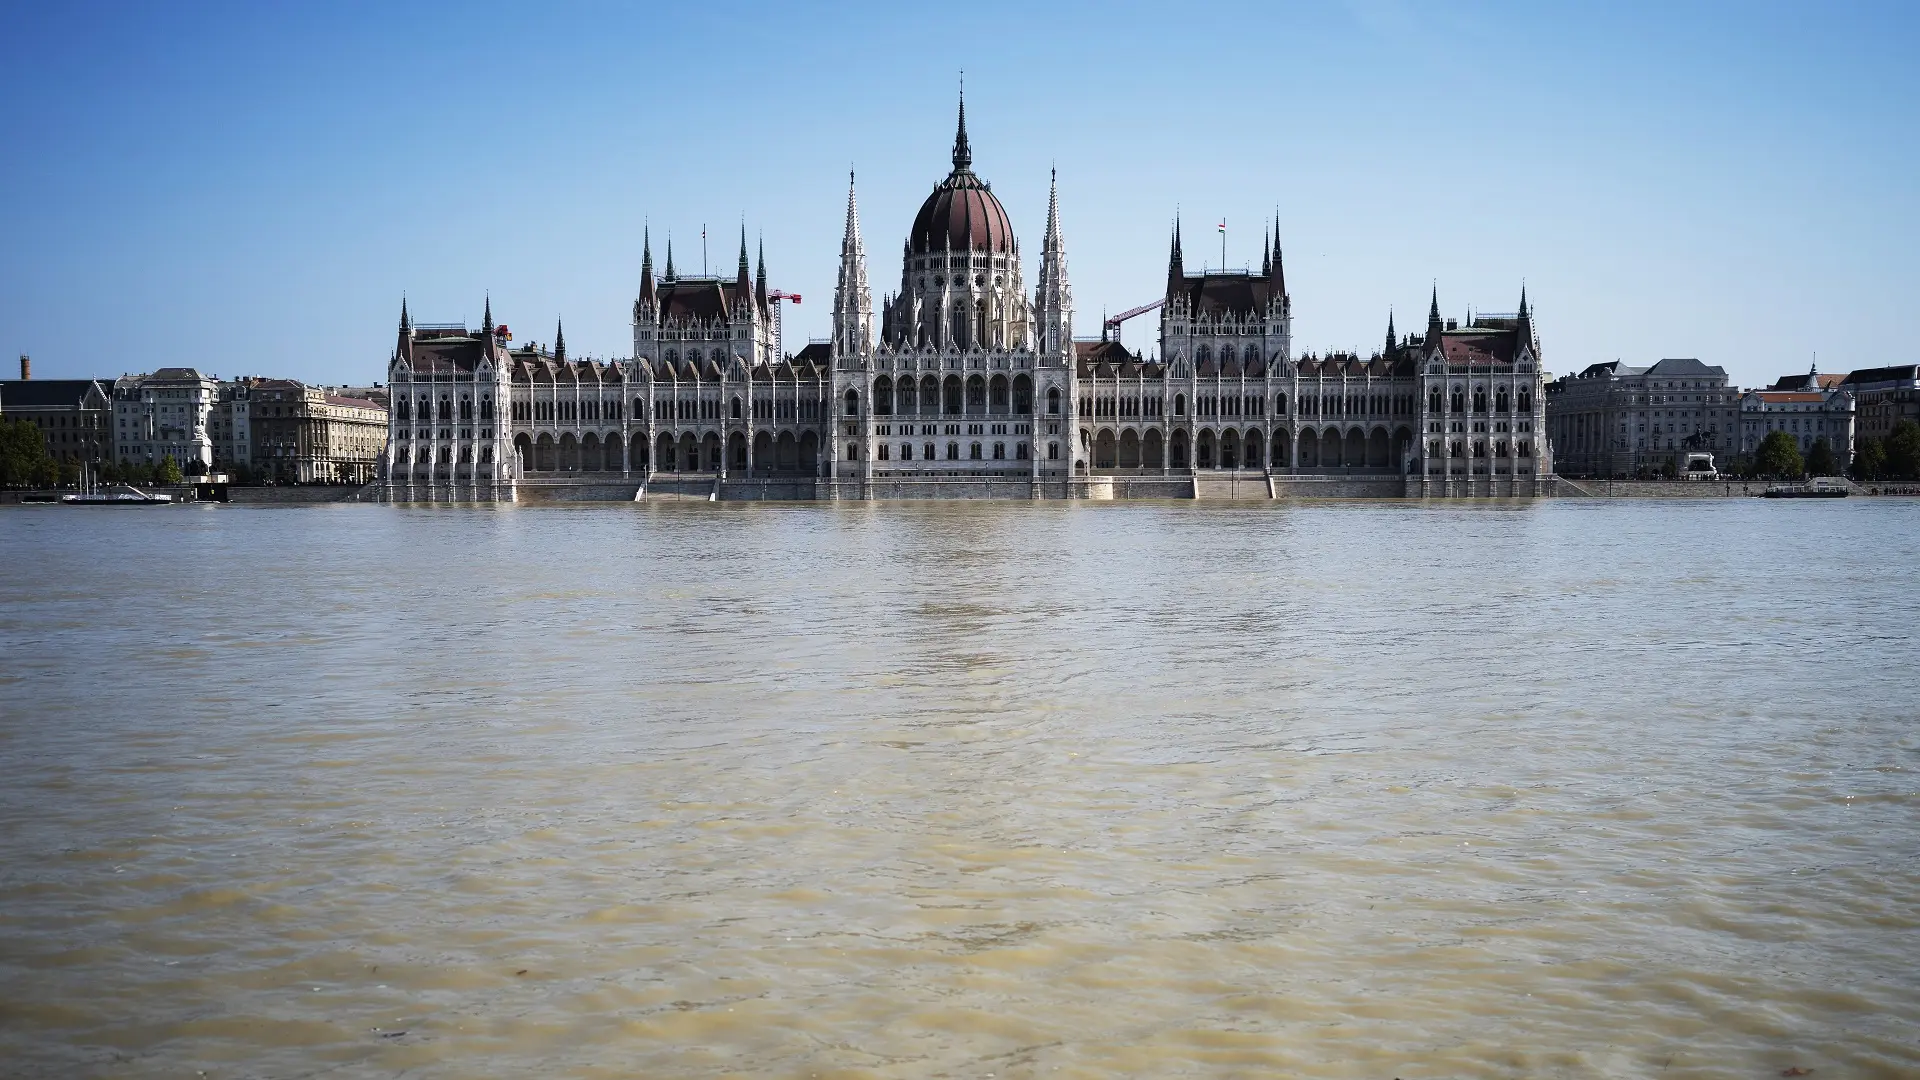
<point x="1559" y="789"/>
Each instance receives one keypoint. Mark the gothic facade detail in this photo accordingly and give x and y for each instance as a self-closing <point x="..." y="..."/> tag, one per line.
<point x="964" y="383"/>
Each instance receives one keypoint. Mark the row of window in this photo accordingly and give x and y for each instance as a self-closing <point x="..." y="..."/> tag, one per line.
<point x="444" y="456"/>
<point x="930" y="452"/>
<point x="1478" y="448"/>
<point x="404" y="410"/>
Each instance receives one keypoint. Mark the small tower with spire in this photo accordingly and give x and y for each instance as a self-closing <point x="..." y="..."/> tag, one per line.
<point x="1054" y="296"/>
<point x="1434" y="325"/>
<point x="743" y="278"/>
<point x="400" y="348"/>
<point x="852" y="300"/>
<point x="559" y="341"/>
<point x="1176" y="264"/>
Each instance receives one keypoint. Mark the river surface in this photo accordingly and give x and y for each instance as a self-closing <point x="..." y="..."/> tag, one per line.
<point x="1561" y="789"/>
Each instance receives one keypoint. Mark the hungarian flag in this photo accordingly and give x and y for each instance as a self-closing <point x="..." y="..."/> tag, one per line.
<point x="1223" y="225"/>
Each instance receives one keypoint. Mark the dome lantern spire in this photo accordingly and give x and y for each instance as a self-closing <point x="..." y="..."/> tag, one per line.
<point x="962" y="150"/>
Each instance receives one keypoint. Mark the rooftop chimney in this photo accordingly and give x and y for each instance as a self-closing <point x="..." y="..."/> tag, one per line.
<point x="26" y="367"/>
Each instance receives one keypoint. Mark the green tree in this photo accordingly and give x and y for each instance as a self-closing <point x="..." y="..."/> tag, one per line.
<point x="1870" y="461"/>
<point x="1903" y="451"/>
<point x="1820" y="459"/>
<point x="23" y="452"/>
<point x="1779" y="457"/>
<point x="109" y="472"/>
<point x="69" y="473"/>
<point x="167" y="472"/>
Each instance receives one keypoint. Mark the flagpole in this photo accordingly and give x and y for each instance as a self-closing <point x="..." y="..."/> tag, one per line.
<point x="1223" y="245"/>
<point x="703" y="249"/>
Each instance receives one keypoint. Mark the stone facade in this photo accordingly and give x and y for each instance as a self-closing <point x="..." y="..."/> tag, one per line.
<point x="311" y="434"/>
<point x="447" y="437"/>
<point x="166" y="414"/>
<point x="74" y="416"/>
<point x="1614" y="421"/>
<point x="962" y="384"/>
<point x="1882" y="397"/>
<point x="1806" y="407"/>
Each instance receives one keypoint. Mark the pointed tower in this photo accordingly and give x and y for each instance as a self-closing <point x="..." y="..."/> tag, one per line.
<point x="669" y="275"/>
<point x="486" y="321"/>
<point x="1390" y="335"/>
<point x="400" y="348"/>
<point x="1053" y="295"/>
<point x="1528" y="333"/>
<point x="1279" y="272"/>
<point x="1266" y="256"/>
<point x="1434" y="325"/>
<point x="648" y="294"/>
<point x="760" y="279"/>
<point x="962" y="150"/>
<point x="852" y="300"/>
<point x="1176" y="268"/>
<point x="743" y="278"/>
<point x="559" y="341"/>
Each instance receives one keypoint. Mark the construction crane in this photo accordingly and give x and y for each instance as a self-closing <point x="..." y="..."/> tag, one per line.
<point x="774" y="298"/>
<point x="1111" y="328"/>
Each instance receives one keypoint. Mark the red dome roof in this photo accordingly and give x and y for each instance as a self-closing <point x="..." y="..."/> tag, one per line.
<point x="962" y="214"/>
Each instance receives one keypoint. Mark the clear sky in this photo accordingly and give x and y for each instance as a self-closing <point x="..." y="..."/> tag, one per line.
<point x="250" y="188"/>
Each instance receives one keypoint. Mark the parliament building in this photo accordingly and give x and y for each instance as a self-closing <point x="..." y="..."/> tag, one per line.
<point x="963" y="384"/>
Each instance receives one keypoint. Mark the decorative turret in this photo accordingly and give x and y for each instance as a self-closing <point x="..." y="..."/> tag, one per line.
<point x="559" y="341"/>
<point x="760" y="279"/>
<point x="743" y="279"/>
<point x="1266" y="256"/>
<point x="852" y="301"/>
<point x="1279" y="271"/>
<point x="1390" y="336"/>
<point x="1176" y="268"/>
<point x="1434" y="325"/>
<point x="486" y="321"/>
<point x="648" y="293"/>
<point x="962" y="150"/>
<point x="1054" y="296"/>
<point x="670" y="274"/>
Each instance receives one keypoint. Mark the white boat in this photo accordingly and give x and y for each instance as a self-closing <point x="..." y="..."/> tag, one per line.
<point x="127" y="495"/>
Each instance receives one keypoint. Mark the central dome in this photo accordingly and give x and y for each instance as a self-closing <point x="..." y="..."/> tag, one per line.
<point x="962" y="213"/>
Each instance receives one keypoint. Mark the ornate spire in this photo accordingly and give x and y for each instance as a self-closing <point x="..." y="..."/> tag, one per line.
<point x="1176" y="268"/>
<point x="486" y="321"/>
<point x="1279" y="272"/>
<point x="1266" y="255"/>
<point x="670" y="274"/>
<point x="1523" y="299"/>
<point x="852" y="300"/>
<point x="850" y="242"/>
<point x="646" y="266"/>
<point x="743" y="279"/>
<point x="559" y="340"/>
<point x="760" y="277"/>
<point x="962" y="152"/>
<point x="1390" y="334"/>
<point x="1055" y="299"/>
<point x="1433" y="317"/>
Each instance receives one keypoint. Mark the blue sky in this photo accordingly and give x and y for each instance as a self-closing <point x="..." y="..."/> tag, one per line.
<point x="250" y="188"/>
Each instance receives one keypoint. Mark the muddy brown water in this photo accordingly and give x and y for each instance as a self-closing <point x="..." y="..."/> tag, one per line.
<point x="1563" y="789"/>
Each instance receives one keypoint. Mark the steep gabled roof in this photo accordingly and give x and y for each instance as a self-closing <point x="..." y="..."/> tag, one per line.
<point x="47" y="393"/>
<point x="1226" y="294"/>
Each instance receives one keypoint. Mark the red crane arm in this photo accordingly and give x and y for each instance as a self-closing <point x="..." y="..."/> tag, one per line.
<point x="1116" y="320"/>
